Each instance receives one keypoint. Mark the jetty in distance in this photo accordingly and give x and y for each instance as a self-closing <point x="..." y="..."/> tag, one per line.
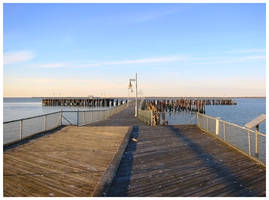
<point x="116" y="101"/>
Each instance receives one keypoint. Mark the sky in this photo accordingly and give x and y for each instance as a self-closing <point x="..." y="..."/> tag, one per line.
<point x="94" y="49"/>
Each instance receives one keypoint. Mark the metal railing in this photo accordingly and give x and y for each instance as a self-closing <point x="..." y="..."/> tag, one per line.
<point x="250" y="142"/>
<point x="145" y="116"/>
<point x="17" y="130"/>
<point x="87" y="117"/>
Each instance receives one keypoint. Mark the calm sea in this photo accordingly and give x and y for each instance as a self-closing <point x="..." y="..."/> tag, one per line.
<point x="245" y="110"/>
<point x="18" y="108"/>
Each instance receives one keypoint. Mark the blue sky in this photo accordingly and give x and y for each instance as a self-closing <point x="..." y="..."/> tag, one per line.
<point x="93" y="49"/>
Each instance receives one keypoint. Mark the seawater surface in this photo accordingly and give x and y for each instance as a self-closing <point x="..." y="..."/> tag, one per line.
<point x="19" y="108"/>
<point x="246" y="110"/>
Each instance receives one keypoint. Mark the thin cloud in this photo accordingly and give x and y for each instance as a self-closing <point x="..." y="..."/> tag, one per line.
<point x="247" y="51"/>
<point x="115" y="62"/>
<point x="225" y="60"/>
<point x="17" y="57"/>
<point x="153" y="15"/>
<point x="146" y="60"/>
<point x="140" y="16"/>
<point x="50" y="65"/>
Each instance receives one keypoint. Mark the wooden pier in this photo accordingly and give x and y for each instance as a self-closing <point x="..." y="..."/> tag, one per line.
<point x="158" y="161"/>
<point x="167" y="102"/>
<point x="85" y="102"/>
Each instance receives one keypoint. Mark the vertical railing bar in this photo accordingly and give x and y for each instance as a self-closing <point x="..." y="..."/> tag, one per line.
<point x="151" y="115"/>
<point x="60" y="119"/>
<point x="257" y="145"/>
<point x="224" y="130"/>
<point x="77" y="117"/>
<point x="207" y="124"/>
<point x="84" y="122"/>
<point x="198" y="119"/>
<point x="249" y="144"/>
<point x="61" y="114"/>
<point x="44" y="122"/>
<point x="21" y="124"/>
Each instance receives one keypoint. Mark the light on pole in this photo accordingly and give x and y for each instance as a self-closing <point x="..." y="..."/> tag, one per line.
<point x="130" y="86"/>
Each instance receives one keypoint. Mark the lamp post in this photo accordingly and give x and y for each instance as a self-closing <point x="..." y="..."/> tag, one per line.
<point x="130" y="86"/>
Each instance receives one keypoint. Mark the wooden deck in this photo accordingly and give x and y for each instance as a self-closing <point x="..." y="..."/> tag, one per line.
<point x="158" y="161"/>
<point x="181" y="161"/>
<point x="70" y="162"/>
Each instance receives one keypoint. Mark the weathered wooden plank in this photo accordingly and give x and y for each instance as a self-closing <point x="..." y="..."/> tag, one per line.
<point x="67" y="163"/>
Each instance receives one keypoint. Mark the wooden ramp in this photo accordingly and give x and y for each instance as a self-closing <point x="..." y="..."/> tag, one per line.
<point x="70" y="162"/>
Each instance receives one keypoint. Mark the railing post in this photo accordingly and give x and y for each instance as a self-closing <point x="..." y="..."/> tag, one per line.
<point x="44" y="122"/>
<point x="207" y="123"/>
<point x="224" y="131"/>
<point x="151" y="117"/>
<point x="61" y="117"/>
<point x="77" y="117"/>
<point x="198" y="122"/>
<point x="249" y="144"/>
<point x="217" y="126"/>
<point x="84" y="121"/>
<point x="21" y="124"/>
<point x="257" y="145"/>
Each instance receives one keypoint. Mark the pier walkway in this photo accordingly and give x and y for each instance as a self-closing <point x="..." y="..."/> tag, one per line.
<point x="180" y="161"/>
<point x="158" y="161"/>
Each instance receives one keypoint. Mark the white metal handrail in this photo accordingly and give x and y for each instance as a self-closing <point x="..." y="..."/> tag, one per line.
<point x="17" y="130"/>
<point x="248" y="141"/>
<point x="145" y="116"/>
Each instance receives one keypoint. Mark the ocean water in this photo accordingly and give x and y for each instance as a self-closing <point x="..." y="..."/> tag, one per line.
<point x="245" y="110"/>
<point x="18" y="108"/>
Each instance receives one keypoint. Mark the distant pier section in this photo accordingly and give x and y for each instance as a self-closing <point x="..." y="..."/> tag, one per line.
<point x="164" y="102"/>
<point x="84" y="101"/>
